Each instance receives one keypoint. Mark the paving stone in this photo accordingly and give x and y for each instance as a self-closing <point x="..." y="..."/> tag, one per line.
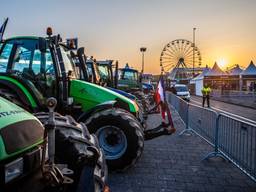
<point x="174" y="163"/>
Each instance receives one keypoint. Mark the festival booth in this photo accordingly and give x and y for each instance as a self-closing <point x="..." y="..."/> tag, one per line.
<point x="198" y="82"/>
<point x="215" y="77"/>
<point x="234" y="80"/>
<point x="248" y="77"/>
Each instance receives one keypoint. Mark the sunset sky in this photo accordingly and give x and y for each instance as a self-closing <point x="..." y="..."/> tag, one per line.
<point x="116" y="29"/>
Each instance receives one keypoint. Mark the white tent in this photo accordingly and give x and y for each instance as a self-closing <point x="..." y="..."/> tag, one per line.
<point x="215" y="71"/>
<point x="248" y="76"/>
<point x="250" y="70"/>
<point x="235" y="71"/>
<point x="199" y="81"/>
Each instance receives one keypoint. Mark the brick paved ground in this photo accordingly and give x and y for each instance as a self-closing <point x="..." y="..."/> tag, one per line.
<point x="173" y="163"/>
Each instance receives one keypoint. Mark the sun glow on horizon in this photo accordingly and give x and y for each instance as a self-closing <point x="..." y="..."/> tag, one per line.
<point x="222" y="63"/>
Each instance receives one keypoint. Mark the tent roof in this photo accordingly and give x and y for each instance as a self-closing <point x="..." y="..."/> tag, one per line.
<point x="201" y="76"/>
<point x="250" y="70"/>
<point x="215" y="71"/>
<point x="236" y="70"/>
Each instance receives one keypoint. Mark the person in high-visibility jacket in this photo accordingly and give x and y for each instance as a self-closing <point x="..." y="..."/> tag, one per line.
<point x="206" y="94"/>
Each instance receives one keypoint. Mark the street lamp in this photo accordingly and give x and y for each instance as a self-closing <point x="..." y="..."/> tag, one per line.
<point x="142" y="50"/>
<point x="194" y="39"/>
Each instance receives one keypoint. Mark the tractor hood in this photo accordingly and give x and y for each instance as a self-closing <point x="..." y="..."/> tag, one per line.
<point x="19" y="130"/>
<point x="121" y="92"/>
<point x="89" y="95"/>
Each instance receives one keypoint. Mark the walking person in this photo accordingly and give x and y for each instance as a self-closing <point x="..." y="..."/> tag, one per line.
<point x="206" y="94"/>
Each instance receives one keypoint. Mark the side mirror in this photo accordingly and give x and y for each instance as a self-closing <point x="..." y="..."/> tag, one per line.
<point x="42" y="44"/>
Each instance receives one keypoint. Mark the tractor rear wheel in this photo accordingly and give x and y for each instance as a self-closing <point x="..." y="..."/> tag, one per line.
<point x="120" y="136"/>
<point x="72" y="141"/>
<point x="11" y="96"/>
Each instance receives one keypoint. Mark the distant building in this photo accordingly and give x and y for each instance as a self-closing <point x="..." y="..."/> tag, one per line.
<point x="248" y="77"/>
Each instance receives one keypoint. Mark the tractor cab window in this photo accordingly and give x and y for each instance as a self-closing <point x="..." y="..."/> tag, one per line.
<point x="78" y="68"/>
<point x="103" y="71"/>
<point x="22" y="59"/>
<point x="93" y="71"/>
<point x="4" y="56"/>
<point x="89" y="67"/>
<point x="97" y="73"/>
<point x="129" y="75"/>
<point x="105" y="74"/>
<point x="29" y="63"/>
<point x="69" y="65"/>
<point x="90" y="72"/>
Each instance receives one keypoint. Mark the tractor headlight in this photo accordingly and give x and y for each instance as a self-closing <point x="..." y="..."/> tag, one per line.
<point x="13" y="169"/>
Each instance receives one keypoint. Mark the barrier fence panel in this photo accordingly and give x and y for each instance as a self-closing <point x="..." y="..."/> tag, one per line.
<point x="233" y="138"/>
<point x="173" y="100"/>
<point x="183" y="110"/>
<point x="237" y="141"/>
<point x="180" y="106"/>
<point x="203" y="122"/>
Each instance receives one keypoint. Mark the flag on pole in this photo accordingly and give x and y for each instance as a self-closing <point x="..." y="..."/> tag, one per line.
<point x="160" y="93"/>
<point x="2" y="29"/>
<point x="160" y="99"/>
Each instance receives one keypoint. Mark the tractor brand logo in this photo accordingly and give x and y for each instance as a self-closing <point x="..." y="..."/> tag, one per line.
<point x="9" y="113"/>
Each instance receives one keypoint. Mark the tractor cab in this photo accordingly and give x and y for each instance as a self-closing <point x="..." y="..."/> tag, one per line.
<point x="87" y="68"/>
<point x="98" y="72"/>
<point x="128" y="78"/>
<point x="31" y="61"/>
<point x="107" y="72"/>
<point x="93" y="70"/>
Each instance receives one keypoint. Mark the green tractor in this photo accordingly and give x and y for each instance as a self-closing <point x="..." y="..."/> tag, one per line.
<point x="29" y="152"/>
<point x="21" y="136"/>
<point x="35" y="68"/>
<point x="125" y="81"/>
<point x="101" y="73"/>
<point x="129" y="79"/>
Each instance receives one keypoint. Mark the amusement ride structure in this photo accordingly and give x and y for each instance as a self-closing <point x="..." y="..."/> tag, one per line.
<point x="180" y="60"/>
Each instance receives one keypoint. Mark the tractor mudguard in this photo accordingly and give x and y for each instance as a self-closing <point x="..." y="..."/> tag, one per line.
<point x="97" y="108"/>
<point x="24" y="89"/>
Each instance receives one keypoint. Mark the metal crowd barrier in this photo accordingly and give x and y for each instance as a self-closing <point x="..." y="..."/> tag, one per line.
<point x="233" y="138"/>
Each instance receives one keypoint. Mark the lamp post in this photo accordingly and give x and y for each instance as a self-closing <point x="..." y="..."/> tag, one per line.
<point x="142" y="50"/>
<point x="194" y="39"/>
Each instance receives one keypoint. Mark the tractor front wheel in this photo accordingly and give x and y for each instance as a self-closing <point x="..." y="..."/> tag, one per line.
<point x="72" y="144"/>
<point x="120" y="136"/>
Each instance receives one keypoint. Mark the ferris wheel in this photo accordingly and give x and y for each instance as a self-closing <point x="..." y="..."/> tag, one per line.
<point x="179" y="53"/>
